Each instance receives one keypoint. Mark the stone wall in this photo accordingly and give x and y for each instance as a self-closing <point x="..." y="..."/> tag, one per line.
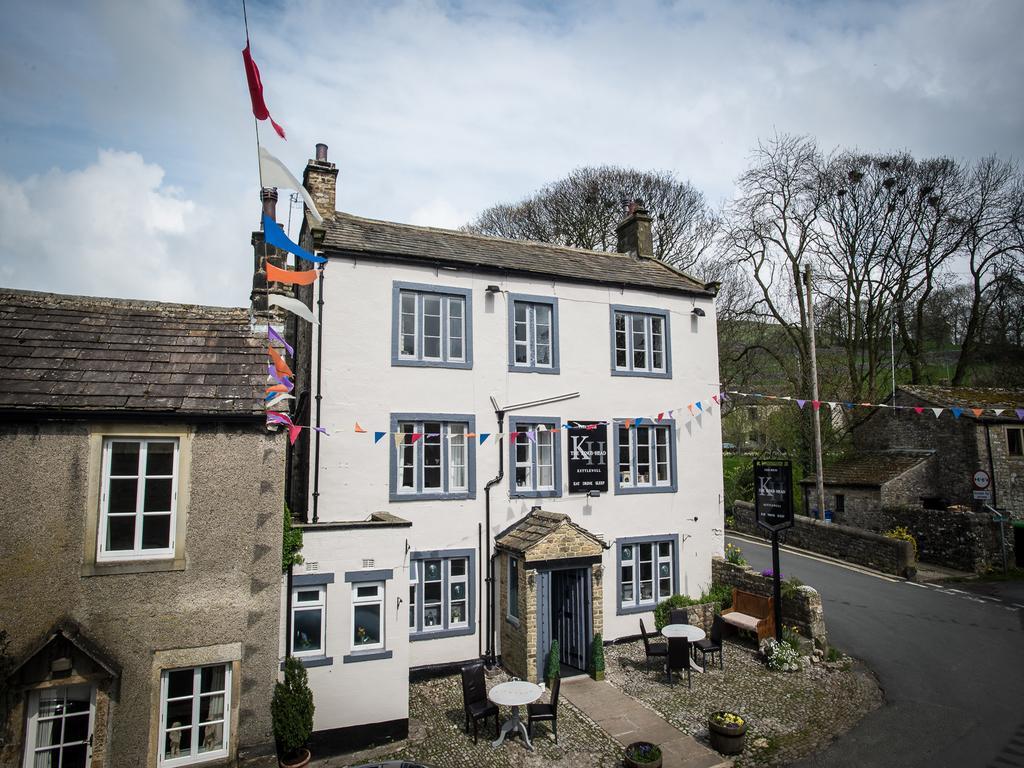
<point x="804" y="612"/>
<point x="853" y="545"/>
<point x="518" y="636"/>
<point x="1009" y="477"/>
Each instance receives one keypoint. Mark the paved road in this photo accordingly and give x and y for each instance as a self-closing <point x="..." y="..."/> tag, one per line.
<point x="951" y="664"/>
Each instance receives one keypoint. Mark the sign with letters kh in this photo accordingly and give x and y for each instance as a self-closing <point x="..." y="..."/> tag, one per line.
<point x="588" y="457"/>
<point x="773" y="494"/>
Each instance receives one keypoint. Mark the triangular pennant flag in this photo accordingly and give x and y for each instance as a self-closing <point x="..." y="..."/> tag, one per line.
<point x="977" y="411"/>
<point x="937" y="412"/>
<point x="359" y="428"/>
<point x="531" y="435"/>
<point x="278" y="275"/>
<point x="399" y="438"/>
<point x="280" y="366"/>
<point x="918" y="409"/>
<point x="801" y="403"/>
<point x="699" y="406"/>
<point x="627" y="423"/>
<point x="661" y="416"/>
<point x="277" y="388"/>
<point x="484" y="436"/>
<point x="272" y="334"/>
<point x="276" y="237"/>
<point x="416" y="436"/>
<point x="591" y="426"/>
<point x="723" y="396"/>
<point x="469" y="435"/>
<point x="816" y="404"/>
<point x="715" y="398"/>
<point x="832" y="405"/>
<point x="259" y="105"/>
<point x="277" y="399"/>
<point x="998" y="411"/>
<point x="542" y="427"/>
<point x="274" y="174"/>
<point x="274" y="417"/>
<point x="378" y="436"/>
<point x="281" y="380"/>
<point x="1020" y="414"/>
<point x="293" y="434"/>
<point x="638" y="421"/>
<point x="690" y="408"/>
<point x="956" y="412"/>
<point x="294" y="306"/>
<point x="849" y="406"/>
<point x="670" y="413"/>
<point x="513" y="435"/>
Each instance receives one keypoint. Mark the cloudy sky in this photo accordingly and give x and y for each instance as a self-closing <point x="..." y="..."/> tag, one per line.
<point x="127" y="152"/>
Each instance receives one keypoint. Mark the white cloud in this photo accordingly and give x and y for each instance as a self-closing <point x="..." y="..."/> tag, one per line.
<point x="115" y="229"/>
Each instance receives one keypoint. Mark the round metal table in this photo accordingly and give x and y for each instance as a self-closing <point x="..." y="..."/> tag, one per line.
<point x="515" y="694"/>
<point x="690" y="632"/>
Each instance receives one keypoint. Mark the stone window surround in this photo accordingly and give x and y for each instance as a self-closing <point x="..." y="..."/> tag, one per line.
<point x="673" y="485"/>
<point x="625" y="610"/>
<point x="653" y="311"/>
<point x="226" y="653"/>
<point x="446" y="554"/>
<point x="524" y="298"/>
<point x="463" y="418"/>
<point x="514" y="425"/>
<point x="396" y="315"/>
<point x="98" y="433"/>
<point x="382" y="575"/>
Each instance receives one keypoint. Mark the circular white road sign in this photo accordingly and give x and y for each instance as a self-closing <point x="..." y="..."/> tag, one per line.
<point x="982" y="480"/>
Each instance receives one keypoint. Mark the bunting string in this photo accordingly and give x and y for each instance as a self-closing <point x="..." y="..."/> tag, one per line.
<point x="955" y="411"/>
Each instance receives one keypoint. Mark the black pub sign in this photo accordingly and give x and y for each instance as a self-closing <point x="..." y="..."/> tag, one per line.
<point x="588" y="456"/>
<point x="773" y="494"/>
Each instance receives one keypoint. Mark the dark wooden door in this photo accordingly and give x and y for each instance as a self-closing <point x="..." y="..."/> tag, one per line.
<point x="570" y="620"/>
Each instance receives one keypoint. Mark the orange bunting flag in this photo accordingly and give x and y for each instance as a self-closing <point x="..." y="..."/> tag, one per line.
<point x="277" y="388"/>
<point x="358" y="428"/>
<point x="279" y="275"/>
<point x="279" y="364"/>
<point x="977" y="411"/>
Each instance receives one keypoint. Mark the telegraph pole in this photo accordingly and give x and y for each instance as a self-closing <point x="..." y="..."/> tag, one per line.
<point x="814" y="393"/>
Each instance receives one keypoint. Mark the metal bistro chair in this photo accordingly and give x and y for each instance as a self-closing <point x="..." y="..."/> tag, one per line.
<point x="713" y="645"/>
<point x="678" y="616"/>
<point x="652" y="650"/>
<point x="538" y="713"/>
<point x="678" y="659"/>
<point x="474" y="698"/>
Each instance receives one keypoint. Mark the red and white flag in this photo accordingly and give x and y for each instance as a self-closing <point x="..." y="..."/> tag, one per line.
<point x="259" y="106"/>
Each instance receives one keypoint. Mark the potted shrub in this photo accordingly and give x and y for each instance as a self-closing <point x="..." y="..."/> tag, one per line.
<point x="553" y="668"/>
<point x="597" y="658"/>
<point x="728" y="732"/>
<point x="642" y="754"/>
<point x="291" y="710"/>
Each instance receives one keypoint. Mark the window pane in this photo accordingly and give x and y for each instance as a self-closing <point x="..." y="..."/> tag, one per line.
<point x="123" y="495"/>
<point x="522" y="354"/>
<point x="367" y="591"/>
<point x="432" y="327"/>
<point x="657" y="343"/>
<point x="211" y="708"/>
<point x="432" y="592"/>
<point x="458" y="590"/>
<point x="76" y="728"/>
<point x="178" y="743"/>
<point x="157" y="495"/>
<point x="458" y="613"/>
<point x="432" y="570"/>
<point x="49" y="732"/>
<point x="160" y="458"/>
<point x="621" y="351"/>
<point x="307" y="596"/>
<point x="306" y="627"/>
<point x="367" y="624"/>
<point x="124" y="458"/>
<point x="407" y="327"/>
<point x="639" y="338"/>
<point x="407" y="457"/>
<point x="625" y="457"/>
<point x="432" y="615"/>
<point x="73" y="756"/>
<point x="432" y="455"/>
<point x="179" y="712"/>
<point x="412" y="606"/>
<point x="156" y="531"/>
<point x="211" y="737"/>
<point x="211" y="679"/>
<point x="665" y="587"/>
<point x="457" y="456"/>
<point x="458" y="566"/>
<point x="120" y="532"/>
<point x="627" y="552"/>
<point x="664" y="570"/>
<point x="665" y="549"/>
<point x="179" y="683"/>
<point x="455" y="328"/>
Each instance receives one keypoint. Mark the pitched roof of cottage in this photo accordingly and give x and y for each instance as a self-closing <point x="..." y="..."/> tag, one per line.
<point x="346" y="233"/>
<point x="870" y="469"/>
<point x="526" y="533"/>
<point x="966" y="397"/>
<point x="84" y="354"/>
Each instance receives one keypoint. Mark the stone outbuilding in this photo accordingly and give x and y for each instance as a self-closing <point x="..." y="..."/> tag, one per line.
<point x="551" y="576"/>
<point x="866" y="483"/>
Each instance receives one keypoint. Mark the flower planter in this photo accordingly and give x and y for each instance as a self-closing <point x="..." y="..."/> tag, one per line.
<point x="598" y="675"/>
<point x="727" y="738"/>
<point x="301" y="761"/>
<point x="640" y="746"/>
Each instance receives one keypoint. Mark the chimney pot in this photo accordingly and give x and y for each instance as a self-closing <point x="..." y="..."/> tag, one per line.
<point x="269" y="197"/>
<point x="321" y="153"/>
<point x="634" y="231"/>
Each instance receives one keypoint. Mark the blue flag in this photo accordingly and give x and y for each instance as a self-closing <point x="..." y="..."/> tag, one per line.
<point x="377" y="437"/>
<point x="276" y="237"/>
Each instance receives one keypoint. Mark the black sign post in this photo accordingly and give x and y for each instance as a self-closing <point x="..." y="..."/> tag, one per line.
<point x="588" y="457"/>
<point x="773" y="510"/>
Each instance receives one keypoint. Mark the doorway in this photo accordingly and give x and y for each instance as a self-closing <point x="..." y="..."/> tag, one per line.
<point x="60" y="722"/>
<point x="571" y="618"/>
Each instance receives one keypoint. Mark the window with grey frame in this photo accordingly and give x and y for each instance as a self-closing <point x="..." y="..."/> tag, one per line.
<point x="645" y="572"/>
<point x="432" y="327"/>
<point x="532" y="334"/>
<point x="439" y="594"/>
<point x="640" y="342"/>
<point x="535" y="457"/>
<point x="644" y="457"/>
<point x="432" y="457"/>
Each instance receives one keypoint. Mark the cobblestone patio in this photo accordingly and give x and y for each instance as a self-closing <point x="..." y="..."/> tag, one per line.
<point x="789" y="714"/>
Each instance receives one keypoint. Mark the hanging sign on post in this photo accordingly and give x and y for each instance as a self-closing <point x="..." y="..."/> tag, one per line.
<point x="588" y="457"/>
<point x="773" y="510"/>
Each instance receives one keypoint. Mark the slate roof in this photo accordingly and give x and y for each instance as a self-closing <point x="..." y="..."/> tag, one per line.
<point x="81" y="354"/>
<point x="522" y="535"/>
<point x="346" y="233"/>
<point x="966" y="397"/>
<point x="870" y="469"/>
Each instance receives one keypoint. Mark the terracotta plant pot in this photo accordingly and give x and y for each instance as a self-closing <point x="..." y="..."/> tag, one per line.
<point x="629" y="762"/>
<point x="296" y="762"/>
<point x="727" y="739"/>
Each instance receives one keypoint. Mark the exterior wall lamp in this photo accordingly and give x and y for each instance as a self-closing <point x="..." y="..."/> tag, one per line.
<point x="697" y="312"/>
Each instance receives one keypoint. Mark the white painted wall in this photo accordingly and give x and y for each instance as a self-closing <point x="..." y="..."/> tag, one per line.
<point x="359" y="384"/>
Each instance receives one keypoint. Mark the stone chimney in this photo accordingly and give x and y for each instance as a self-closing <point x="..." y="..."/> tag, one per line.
<point x="321" y="179"/>
<point x="634" y="232"/>
<point x="263" y="253"/>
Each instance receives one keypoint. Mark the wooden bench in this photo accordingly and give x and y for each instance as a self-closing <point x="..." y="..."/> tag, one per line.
<point x="752" y="613"/>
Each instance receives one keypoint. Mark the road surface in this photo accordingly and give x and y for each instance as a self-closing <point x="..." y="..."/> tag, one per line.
<point x="951" y="664"/>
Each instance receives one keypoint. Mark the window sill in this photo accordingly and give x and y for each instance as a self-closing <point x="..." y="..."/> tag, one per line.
<point x="357" y="656"/>
<point x="533" y="369"/>
<point x="401" y="363"/>
<point x="643" y="374"/>
<point x="552" y="494"/>
<point x="439" y="633"/>
<point x="313" y="661"/>
<point x="461" y="496"/>
<point x="114" y="567"/>
<point x="626" y="610"/>
<point x="653" y="489"/>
